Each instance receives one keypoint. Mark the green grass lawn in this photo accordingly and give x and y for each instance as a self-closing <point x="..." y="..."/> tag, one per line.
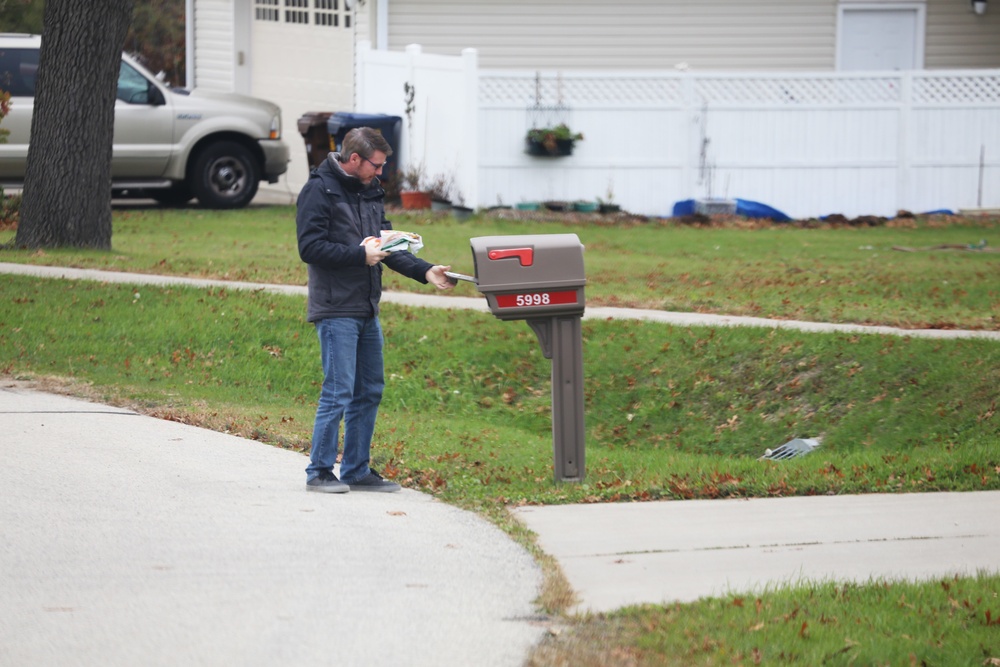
<point x="783" y="271"/>
<point x="951" y="621"/>
<point x="672" y="412"/>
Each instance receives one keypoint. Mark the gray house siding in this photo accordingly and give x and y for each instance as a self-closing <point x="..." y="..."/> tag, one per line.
<point x="958" y="39"/>
<point x="659" y="34"/>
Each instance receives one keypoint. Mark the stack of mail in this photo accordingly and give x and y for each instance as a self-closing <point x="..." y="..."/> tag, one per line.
<point x="393" y="241"/>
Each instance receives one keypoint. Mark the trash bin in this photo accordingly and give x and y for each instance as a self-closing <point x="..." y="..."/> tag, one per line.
<point x="312" y="127"/>
<point x="341" y="122"/>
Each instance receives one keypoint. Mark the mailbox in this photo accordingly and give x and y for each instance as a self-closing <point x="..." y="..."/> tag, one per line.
<point x="540" y="278"/>
<point x="525" y="276"/>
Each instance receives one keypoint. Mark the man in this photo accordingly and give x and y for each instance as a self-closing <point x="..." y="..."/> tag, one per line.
<point x="341" y="204"/>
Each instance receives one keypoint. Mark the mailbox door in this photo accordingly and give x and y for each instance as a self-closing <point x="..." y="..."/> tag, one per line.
<point x="530" y="275"/>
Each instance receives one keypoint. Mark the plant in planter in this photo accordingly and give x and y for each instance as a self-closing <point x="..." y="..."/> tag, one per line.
<point x="551" y="141"/>
<point x="413" y="194"/>
<point x="608" y="205"/>
<point x="440" y="190"/>
<point x="459" y="209"/>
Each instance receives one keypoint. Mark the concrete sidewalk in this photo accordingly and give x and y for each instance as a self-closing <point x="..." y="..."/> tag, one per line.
<point x="430" y="299"/>
<point x="631" y="553"/>
<point x="128" y="540"/>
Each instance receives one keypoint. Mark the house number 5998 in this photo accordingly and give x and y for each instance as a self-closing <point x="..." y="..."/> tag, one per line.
<point x="542" y="299"/>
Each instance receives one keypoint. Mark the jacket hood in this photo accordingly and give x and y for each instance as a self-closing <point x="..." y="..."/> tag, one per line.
<point x="353" y="183"/>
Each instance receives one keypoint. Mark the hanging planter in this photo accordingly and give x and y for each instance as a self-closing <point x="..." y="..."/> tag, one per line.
<point x="555" y="141"/>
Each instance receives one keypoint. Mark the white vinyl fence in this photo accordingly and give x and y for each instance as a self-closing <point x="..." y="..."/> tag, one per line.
<point x="436" y="98"/>
<point x="808" y="144"/>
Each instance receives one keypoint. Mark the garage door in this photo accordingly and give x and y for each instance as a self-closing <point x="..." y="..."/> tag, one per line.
<point x="303" y="50"/>
<point x="302" y="60"/>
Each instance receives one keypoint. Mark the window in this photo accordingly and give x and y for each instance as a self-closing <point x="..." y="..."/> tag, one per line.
<point x="296" y="11"/>
<point x="324" y="13"/>
<point x="266" y="10"/>
<point x="328" y="13"/>
<point x="18" y="71"/>
<point x="132" y="86"/>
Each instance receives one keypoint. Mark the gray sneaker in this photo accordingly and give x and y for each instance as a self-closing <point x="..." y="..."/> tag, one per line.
<point x="374" y="482"/>
<point x="327" y="482"/>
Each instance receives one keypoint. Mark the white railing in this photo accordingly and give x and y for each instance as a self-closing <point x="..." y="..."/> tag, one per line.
<point x="808" y="144"/>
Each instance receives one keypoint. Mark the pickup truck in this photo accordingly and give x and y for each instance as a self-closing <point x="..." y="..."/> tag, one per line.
<point x="170" y="144"/>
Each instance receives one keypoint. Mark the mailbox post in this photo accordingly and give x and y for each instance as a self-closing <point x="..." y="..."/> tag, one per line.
<point x="540" y="279"/>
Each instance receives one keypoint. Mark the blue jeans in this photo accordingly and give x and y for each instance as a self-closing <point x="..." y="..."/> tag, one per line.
<point x="353" y="380"/>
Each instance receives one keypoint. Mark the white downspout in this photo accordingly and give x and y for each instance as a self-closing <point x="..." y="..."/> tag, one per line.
<point x="189" y="79"/>
<point x="382" y="25"/>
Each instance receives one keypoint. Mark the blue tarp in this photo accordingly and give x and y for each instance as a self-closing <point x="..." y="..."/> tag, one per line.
<point x="752" y="209"/>
<point x="744" y="207"/>
<point x="685" y="207"/>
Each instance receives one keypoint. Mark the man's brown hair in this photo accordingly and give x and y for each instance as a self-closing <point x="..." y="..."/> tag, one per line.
<point x="364" y="141"/>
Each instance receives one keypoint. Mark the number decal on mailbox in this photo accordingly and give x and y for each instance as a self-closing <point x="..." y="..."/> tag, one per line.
<point x="535" y="299"/>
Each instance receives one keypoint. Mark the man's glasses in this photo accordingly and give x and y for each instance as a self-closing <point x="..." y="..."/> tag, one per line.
<point x="374" y="164"/>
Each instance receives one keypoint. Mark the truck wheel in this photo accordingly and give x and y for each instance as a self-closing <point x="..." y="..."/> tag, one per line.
<point x="225" y="175"/>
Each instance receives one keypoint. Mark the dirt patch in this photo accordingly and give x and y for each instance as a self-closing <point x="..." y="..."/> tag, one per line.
<point x="903" y="219"/>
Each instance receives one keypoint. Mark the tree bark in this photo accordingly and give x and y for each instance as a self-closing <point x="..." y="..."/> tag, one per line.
<point x="67" y="181"/>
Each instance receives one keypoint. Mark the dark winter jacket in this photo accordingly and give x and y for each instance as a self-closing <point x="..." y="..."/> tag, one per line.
<point x="335" y="212"/>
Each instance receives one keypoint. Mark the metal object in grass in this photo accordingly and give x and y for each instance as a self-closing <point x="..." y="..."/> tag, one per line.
<point x="792" y="448"/>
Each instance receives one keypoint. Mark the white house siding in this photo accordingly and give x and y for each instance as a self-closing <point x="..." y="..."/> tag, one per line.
<point x="630" y="34"/>
<point x="213" y="35"/>
<point x="364" y="24"/>
<point x="957" y="38"/>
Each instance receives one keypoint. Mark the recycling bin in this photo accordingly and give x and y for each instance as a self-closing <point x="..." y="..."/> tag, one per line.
<point x="342" y="122"/>
<point x="540" y="278"/>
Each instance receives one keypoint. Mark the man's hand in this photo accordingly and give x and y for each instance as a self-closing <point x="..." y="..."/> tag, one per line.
<point x="373" y="255"/>
<point x="435" y="276"/>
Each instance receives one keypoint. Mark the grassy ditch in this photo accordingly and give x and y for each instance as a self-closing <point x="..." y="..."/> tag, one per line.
<point x="671" y="412"/>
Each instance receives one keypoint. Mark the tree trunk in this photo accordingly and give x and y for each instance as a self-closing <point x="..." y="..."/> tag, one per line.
<point x="67" y="181"/>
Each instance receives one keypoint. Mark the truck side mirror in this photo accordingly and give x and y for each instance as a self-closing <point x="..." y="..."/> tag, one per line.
<point x="156" y="98"/>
